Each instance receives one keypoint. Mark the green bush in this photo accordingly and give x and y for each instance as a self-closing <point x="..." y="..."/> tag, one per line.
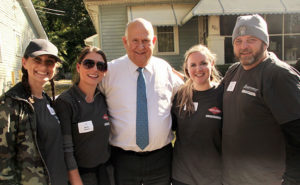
<point x="60" y="86"/>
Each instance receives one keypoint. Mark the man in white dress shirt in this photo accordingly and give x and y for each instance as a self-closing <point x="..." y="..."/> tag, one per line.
<point x="135" y="165"/>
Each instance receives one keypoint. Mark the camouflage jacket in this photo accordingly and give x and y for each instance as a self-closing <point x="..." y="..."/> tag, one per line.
<point x="20" y="159"/>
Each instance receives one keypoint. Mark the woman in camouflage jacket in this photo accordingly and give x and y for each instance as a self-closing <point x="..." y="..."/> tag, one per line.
<point x="22" y="154"/>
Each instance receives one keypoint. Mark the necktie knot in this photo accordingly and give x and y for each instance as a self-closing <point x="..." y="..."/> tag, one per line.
<point x="140" y="69"/>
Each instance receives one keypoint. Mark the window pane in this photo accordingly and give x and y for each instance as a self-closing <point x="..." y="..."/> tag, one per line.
<point x="292" y="23"/>
<point x="229" y="55"/>
<point x="274" y="22"/>
<point x="275" y="45"/>
<point x="165" y="39"/>
<point x="291" y="47"/>
<point x="227" y="23"/>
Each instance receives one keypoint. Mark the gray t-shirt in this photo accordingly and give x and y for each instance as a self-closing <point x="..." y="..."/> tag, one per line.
<point x="255" y="103"/>
<point x="197" y="150"/>
<point x="50" y="141"/>
<point x="85" y="127"/>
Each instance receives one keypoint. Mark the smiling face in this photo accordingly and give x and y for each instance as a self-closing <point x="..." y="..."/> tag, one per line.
<point x="92" y="76"/>
<point x="139" y="42"/>
<point x="40" y="69"/>
<point x="249" y="50"/>
<point x="199" y="69"/>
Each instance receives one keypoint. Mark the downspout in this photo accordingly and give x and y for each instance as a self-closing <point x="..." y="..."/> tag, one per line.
<point x="174" y="14"/>
<point x="34" y="18"/>
<point x="221" y="6"/>
<point x="285" y="9"/>
<point x="187" y="17"/>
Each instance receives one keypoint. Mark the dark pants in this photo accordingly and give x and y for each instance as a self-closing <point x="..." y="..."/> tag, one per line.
<point x="100" y="175"/>
<point x="147" y="168"/>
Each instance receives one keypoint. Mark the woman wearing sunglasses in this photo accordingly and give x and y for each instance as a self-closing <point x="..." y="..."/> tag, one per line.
<point x="85" y="123"/>
<point x="31" y="143"/>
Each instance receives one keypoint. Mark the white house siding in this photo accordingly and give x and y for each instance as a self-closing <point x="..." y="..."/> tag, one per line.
<point x="16" y="31"/>
<point x="113" y="20"/>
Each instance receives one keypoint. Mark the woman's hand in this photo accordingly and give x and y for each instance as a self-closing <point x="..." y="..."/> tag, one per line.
<point x="74" y="177"/>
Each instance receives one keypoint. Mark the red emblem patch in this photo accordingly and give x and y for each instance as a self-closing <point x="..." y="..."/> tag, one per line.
<point x="215" y="110"/>
<point x="105" y="116"/>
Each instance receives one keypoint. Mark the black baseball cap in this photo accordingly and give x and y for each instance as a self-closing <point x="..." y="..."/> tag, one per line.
<point x="38" y="47"/>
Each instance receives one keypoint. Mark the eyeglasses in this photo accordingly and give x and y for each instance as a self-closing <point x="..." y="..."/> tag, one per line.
<point x="89" y="63"/>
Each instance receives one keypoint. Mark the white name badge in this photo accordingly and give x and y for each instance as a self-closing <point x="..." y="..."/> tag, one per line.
<point x="231" y="86"/>
<point x="196" y="105"/>
<point x="86" y="126"/>
<point x="51" y="110"/>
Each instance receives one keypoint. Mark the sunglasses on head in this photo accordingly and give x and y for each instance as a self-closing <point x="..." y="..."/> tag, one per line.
<point x="89" y="63"/>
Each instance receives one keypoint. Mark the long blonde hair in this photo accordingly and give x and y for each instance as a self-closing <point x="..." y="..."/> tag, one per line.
<point x="185" y="93"/>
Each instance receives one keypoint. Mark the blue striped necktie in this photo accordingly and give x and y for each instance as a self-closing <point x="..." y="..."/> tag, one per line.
<point x="142" y="135"/>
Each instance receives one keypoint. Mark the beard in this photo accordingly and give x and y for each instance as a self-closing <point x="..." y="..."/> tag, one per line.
<point x="252" y="59"/>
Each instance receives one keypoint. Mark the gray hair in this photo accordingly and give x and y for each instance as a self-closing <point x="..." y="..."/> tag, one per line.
<point x="147" y="24"/>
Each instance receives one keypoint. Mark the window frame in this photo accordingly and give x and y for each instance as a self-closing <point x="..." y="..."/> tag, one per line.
<point x="176" y="42"/>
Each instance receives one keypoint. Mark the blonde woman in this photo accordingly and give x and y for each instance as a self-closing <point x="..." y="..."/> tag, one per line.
<point x="197" y="120"/>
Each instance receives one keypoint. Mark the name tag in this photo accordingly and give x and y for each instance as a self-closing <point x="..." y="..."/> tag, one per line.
<point x="195" y="106"/>
<point x="86" y="126"/>
<point x="51" y="110"/>
<point x="231" y="86"/>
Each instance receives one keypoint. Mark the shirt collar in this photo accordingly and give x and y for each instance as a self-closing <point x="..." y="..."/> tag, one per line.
<point x="133" y="68"/>
<point x="82" y="94"/>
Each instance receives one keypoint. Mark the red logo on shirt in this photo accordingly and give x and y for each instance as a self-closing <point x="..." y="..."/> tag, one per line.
<point x="105" y="116"/>
<point x="215" y="110"/>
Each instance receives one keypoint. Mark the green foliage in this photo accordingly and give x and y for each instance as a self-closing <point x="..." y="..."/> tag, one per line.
<point x="60" y="86"/>
<point x="66" y="31"/>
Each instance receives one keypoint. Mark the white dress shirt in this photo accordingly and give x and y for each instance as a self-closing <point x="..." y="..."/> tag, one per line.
<point x="120" y="86"/>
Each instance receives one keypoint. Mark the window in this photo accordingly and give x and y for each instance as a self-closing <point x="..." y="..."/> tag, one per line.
<point x="274" y="22"/>
<point x="275" y="45"/>
<point x="284" y="35"/>
<point x="229" y="55"/>
<point x="292" y="23"/>
<point x="167" y="40"/>
<point x="227" y="23"/>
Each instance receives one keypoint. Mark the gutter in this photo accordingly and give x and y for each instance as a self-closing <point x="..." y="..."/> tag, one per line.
<point x="34" y="18"/>
<point x="187" y="17"/>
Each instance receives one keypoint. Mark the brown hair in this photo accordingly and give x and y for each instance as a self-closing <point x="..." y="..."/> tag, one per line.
<point x="86" y="50"/>
<point x="185" y="93"/>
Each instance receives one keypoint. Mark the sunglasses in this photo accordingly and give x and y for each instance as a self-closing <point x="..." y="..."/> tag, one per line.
<point x="101" y="66"/>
